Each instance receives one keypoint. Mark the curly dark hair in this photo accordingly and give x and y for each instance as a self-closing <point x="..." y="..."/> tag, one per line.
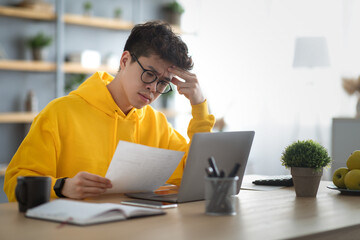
<point x="157" y="38"/>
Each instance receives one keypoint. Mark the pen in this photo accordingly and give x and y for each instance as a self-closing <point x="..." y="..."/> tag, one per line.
<point x="234" y="170"/>
<point x="209" y="171"/>
<point x="214" y="167"/>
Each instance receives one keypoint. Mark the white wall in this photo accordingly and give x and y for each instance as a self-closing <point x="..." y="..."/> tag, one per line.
<point x="243" y="52"/>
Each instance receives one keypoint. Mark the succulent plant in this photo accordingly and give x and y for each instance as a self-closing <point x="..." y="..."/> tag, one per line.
<point x="306" y="154"/>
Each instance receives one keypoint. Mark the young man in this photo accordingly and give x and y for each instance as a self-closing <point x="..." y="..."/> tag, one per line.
<point x="73" y="138"/>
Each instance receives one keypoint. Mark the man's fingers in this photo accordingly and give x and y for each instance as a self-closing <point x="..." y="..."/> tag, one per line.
<point x="181" y="84"/>
<point x="88" y="192"/>
<point x="175" y="81"/>
<point x="93" y="190"/>
<point x="186" y="75"/>
<point x="186" y="91"/>
<point x="89" y="183"/>
<point x="96" y="178"/>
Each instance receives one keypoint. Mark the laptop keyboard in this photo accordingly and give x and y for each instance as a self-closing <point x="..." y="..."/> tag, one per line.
<point x="170" y="196"/>
<point x="162" y="194"/>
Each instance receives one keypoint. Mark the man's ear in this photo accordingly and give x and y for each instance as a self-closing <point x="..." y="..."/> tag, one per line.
<point x="125" y="59"/>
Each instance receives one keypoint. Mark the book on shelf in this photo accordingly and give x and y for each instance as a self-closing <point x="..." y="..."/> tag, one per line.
<point x="85" y="213"/>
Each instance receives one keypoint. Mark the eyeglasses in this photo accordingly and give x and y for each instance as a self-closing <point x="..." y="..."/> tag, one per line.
<point x="149" y="76"/>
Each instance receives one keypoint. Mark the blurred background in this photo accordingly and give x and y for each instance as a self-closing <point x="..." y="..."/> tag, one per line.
<point x="277" y="67"/>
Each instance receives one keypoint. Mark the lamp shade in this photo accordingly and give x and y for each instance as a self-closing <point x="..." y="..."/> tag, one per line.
<point x="311" y="52"/>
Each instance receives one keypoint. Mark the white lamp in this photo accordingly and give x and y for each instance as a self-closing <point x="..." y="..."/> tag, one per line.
<point x="311" y="52"/>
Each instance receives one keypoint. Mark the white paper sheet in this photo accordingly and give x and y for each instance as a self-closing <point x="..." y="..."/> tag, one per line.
<point x="139" y="168"/>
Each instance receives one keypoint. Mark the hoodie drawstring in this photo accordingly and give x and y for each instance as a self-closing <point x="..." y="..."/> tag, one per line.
<point x="137" y="128"/>
<point x="115" y="129"/>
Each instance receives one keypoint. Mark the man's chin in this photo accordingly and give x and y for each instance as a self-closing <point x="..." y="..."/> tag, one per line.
<point x="140" y="106"/>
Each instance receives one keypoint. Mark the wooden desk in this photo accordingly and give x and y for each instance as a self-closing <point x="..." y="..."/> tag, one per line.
<point x="274" y="214"/>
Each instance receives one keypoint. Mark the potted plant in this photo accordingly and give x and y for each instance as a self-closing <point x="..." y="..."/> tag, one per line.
<point x="37" y="45"/>
<point x="73" y="81"/>
<point x="173" y="12"/>
<point x="306" y="160"/>
<point x="117" y="13"/>
<point x="87" y="9"/>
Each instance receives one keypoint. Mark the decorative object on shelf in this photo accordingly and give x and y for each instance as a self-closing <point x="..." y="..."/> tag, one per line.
<point x="87" y="58"/>
<point x="38" y="44"/>
<point x="88" y="9"/>
<point x="351" y="86"/>
<point x="73" y="81"/>
<point x="2" y="53"/>
<point x="112" y="60"/>
<point x="37" y="5"/>
<point x="173" y="12"/>
<point x="306" y="160"/>
<point x="118" y="13"/>
<point x="32" y="103"/>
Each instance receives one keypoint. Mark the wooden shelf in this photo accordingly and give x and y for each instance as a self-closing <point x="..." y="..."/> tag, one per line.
<point x="77" y="68"/>
<point x="17" y="117"/>
<point x="26" y="13"/>
<point x="98" y="22"/>
<point x="20" y="65"/>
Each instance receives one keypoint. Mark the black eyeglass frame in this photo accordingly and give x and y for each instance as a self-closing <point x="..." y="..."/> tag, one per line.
<point x="156" y="77"/>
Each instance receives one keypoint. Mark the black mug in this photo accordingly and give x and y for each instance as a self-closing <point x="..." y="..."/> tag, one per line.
<point x="32" y="191"/>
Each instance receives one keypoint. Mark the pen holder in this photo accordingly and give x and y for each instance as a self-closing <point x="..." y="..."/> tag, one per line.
<point x="220" y="196"/>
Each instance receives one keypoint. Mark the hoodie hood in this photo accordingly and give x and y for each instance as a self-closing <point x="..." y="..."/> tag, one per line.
<point x="95" y="92"/>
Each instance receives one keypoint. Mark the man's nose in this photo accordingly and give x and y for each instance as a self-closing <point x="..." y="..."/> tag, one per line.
<point x="151" y="86"/>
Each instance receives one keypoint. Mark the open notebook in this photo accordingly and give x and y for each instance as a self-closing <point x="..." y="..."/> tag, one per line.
<point x="84" y="213"/>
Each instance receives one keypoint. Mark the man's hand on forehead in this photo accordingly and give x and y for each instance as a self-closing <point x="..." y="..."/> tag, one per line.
<point x="189" y="87"/>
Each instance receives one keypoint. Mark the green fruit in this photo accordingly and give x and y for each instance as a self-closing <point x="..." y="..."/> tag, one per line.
<point x="353" y="161"/>
<point x="339" y="177"/>
<point x="352" y="179"/>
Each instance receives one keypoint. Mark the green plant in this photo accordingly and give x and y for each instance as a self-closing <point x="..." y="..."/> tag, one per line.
<point x="174" y="7"/>
<point x="73" y="81"/>
<point x="39" y="41"/>
<point x="87" y="6"/>
<point x="306" y="154"/>
<point x="118" y="12"/>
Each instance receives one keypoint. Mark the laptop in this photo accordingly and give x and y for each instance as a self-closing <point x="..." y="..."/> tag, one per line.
<point x="227" y="148"/>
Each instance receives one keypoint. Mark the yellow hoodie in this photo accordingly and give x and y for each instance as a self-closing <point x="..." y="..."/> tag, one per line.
<point x="80" y="132"/>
